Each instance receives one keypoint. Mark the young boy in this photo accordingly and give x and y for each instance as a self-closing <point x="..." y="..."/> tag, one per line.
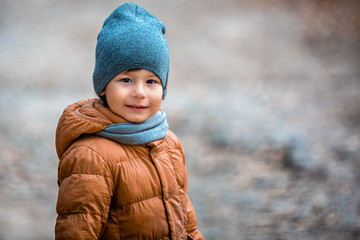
<point x="122" y="173"/>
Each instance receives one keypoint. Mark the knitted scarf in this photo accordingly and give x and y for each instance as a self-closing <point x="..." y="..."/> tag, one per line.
<point x="131" y="133"/>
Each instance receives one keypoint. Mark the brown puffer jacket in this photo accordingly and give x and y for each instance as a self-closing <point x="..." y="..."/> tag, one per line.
<point x="109" y="190"/>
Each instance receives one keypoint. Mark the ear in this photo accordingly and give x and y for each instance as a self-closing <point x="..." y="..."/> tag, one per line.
<point x="102" y="93"/>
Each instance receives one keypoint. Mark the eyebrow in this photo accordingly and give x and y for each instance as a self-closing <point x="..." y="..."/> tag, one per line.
<point x="149" y="74"/>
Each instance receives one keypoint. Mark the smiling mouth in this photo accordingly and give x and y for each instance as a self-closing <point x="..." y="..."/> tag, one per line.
<point x="136" y="107"/>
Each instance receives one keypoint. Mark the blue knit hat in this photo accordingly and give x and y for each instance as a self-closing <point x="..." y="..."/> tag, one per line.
<point x="131" y="37"/>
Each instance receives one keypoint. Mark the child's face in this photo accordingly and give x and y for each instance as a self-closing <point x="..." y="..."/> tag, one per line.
<point x="134" y="95"/>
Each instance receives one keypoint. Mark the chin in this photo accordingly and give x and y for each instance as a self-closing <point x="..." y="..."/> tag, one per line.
<point x="136" y="120"/>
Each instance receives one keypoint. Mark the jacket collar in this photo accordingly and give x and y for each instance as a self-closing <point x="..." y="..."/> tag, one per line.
<point x="83" y="117"/>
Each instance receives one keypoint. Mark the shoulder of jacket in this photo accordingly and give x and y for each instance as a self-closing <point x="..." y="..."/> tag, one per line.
<point x="172" y="139"/>
<point x="173" y="142"/>
<point x="104" y="148"/>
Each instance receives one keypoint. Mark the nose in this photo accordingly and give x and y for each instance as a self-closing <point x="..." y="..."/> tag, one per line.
<point x="139" y="91"/>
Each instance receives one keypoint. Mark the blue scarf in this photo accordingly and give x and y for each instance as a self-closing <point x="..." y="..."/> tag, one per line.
<point x="130" y="133"/>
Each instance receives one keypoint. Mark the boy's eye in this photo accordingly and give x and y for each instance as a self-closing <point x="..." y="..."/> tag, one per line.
<point x="151" y="81"/>
<point x="125" y="80"/>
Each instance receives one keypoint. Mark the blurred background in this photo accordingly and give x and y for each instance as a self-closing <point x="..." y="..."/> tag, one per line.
<point x="263" y="94"/>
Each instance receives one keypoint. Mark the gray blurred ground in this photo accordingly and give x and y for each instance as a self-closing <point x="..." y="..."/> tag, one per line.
<point x="264" y="96"/>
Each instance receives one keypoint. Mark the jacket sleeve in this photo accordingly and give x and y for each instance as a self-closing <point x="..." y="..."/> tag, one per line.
<point x="85" y="190"/>
<point x="191" y="226"/>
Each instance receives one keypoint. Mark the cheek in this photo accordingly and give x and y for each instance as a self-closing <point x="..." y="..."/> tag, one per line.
<point x="159" y="98"/>
<point x="115" y="96"/>
<point x="156" y="103"/>
<point x="156" y="96"/>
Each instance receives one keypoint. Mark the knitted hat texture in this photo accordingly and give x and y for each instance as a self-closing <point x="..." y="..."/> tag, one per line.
<point x="131" y="37"/>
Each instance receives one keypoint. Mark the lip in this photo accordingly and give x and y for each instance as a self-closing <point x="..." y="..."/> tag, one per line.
<point x="136" y="108"/>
